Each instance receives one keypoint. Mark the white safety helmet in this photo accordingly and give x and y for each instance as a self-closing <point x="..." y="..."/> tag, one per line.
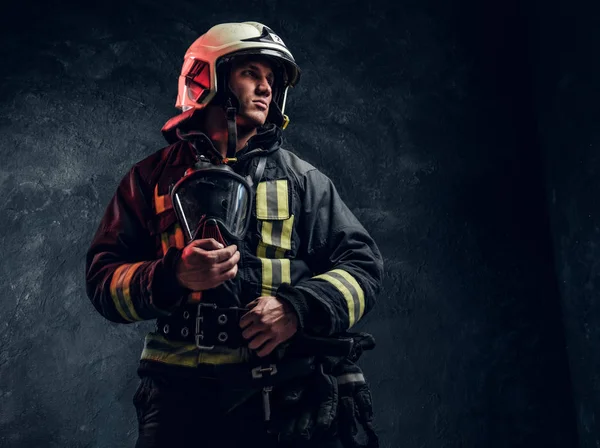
<point x="205" y="66"/>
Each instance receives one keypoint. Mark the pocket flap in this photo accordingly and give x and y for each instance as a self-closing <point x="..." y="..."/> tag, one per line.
<point x="273" y="200"/>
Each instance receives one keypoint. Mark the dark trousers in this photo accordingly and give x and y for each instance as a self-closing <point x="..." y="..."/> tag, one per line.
<point x="184" y="413"/>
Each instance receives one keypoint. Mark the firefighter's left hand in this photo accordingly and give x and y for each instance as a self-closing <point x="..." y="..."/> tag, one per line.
<point x="269" y="322"/>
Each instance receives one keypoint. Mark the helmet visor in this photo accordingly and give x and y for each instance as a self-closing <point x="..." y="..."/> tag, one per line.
<point x="213" y="194"/>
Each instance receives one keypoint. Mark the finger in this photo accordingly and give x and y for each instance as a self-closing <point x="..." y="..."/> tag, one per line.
<point x="268" y="348"/>
<point x="251" y="331"/>
<point x="249" y="318"/>
<point x="227" y="264"/>
<point x="259" y="340"/>
<point x="253" y="303"/>
<point x="218" y="279"/>
<point x="208" y="258"/>
<point x="227" y="275"/>
<point x="224" y="254"/>
<point x="206" y="243"/>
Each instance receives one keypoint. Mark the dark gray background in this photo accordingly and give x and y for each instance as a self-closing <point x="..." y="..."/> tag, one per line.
<point x="462" y="135"/>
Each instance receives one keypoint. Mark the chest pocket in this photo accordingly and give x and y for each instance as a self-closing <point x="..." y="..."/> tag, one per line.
<point x="275" y="224"/>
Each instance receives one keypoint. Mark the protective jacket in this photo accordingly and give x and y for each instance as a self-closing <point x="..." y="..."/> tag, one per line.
<point x="303" y="245"/>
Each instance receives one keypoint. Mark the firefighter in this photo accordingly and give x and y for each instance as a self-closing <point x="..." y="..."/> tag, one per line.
<point x="247" y="258"/>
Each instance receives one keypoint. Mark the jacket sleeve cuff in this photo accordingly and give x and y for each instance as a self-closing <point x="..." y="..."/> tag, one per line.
<point x="312" y="317"/>
<point x="167" y="293"/>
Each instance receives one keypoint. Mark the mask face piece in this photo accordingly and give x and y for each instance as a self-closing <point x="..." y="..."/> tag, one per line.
<point x="213" y="202"/>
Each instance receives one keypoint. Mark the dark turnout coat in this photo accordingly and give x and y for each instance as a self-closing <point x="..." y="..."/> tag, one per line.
<point x="303" y="245"/>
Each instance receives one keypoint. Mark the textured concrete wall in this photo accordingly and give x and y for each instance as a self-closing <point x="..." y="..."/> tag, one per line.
<point x="419" y="113"/>
<point x="566" y="41"/>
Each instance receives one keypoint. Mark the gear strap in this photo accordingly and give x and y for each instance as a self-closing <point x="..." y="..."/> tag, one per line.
<point x="231" y="129"/>
<point x="260" y="169"/>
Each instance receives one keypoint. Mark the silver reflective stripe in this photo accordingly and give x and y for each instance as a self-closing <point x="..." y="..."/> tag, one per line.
<point x="350" y="378"/>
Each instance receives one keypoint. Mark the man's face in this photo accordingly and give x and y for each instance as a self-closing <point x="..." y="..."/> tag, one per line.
<point x="251" y="82"/>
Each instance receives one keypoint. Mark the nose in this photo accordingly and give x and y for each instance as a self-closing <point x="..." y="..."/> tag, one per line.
<point x="263" y="87"/>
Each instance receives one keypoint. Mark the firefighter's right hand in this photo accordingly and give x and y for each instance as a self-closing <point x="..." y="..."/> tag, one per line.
<point x="206" y="264"/>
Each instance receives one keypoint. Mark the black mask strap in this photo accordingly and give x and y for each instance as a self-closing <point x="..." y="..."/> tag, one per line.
<point x="230" y="112"/>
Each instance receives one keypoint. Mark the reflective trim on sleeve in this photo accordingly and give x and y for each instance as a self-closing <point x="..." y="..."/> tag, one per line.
<point x="350" y="378"/>
<point x="172" y="239"/>
<point x="120" y="291"/>
<point x="178" y="242"/>
<point x="161" y="203"/>
<point x="274" y="273"/>
<point x="347" y="285"/>
<point x="164" y="240"/>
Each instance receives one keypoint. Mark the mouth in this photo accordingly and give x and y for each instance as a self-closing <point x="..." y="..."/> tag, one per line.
<point x="261" y="104"/>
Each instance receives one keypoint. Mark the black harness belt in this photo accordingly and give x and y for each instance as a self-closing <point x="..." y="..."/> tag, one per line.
<point x="205" y="325"/>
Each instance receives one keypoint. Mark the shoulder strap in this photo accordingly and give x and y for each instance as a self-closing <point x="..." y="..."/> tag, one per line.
<point x="260" y="169"/>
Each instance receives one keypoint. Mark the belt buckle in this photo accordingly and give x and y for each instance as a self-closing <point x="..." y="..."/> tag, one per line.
<point x="259" y="371"/>
<point x="199" y="336"/>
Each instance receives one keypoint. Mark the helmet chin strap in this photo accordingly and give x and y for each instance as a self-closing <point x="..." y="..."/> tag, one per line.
<point x="230" y="113"/>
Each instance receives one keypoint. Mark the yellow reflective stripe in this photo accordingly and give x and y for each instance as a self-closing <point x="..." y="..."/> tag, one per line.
<point x="175" y="239"/>
<point x="283" y="210"/>
<point x="345" y="292"/>
<point x="230" y="357"/>
<point x="261" y="200"/>
<point x="164" y="239"/>
<point x="114" y="290"/>
<point x="157" y="348"/>
<point x="179" y="242"/>
<point x="274" y="273"/>
<point x="159" y="201"/>
<point x="285" y="271"/>
<point x="286" y="233"/>
<point x="127" y="292"/>
<point x="266" y="232"/>
<point x="280" y="247"/>
<point x="272" y="200"/>
<point x="169" y="358"/>
<point x="267" y="276"/>
<point x="359" y="291"/>
<point x="261" y="250"/>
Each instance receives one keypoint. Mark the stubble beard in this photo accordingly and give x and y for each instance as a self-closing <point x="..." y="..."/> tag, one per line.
<point x="252" y="119"/>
